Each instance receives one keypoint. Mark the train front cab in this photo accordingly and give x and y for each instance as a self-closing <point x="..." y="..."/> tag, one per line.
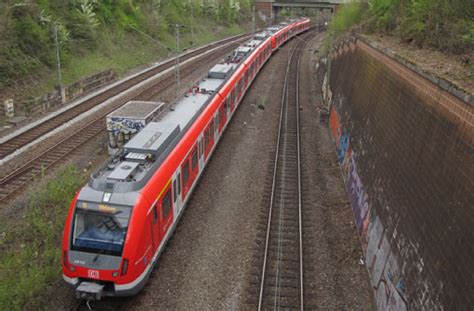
<point x="93" y="245"/>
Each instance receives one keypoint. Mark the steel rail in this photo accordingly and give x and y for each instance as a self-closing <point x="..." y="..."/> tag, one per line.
<point x="281" y="158"/>
<point x="300" y="212"/>
<point x="272" y="196"/>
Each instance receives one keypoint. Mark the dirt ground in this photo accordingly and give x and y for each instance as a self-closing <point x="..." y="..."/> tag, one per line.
<point x="207" y="265"/>
<point x="458" y="69"/>
<point x="335" y="274"/>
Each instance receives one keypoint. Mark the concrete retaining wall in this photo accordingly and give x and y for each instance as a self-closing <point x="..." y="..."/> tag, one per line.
<point x="405" y="145"/>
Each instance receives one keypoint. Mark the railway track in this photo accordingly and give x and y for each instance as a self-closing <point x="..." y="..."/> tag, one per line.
<point x="16" y="142"/>
<point x="44" y="160"/>
<point x="281" y="280"/>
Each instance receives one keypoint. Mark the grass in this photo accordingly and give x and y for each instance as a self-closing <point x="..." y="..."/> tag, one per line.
<point x="31" y="247"/>
<point x="130" y="50"/>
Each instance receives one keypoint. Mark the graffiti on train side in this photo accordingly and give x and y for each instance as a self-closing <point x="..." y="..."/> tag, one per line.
<point x="386" y="278"/>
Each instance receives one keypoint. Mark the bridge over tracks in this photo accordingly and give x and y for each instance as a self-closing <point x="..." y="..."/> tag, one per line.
<point x="272" y="8"/>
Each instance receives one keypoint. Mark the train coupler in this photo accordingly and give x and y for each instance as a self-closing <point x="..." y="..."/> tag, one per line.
<point x="89" y="291"/>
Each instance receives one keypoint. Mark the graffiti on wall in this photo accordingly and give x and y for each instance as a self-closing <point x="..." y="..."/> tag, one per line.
<point x="386" y="279"/>
<point x="335" y="125"/>
<point x="357" y="194"/>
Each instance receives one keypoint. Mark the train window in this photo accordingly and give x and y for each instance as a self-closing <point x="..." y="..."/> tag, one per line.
<point x="217" y="121"/>
<point x="179" y="183"/>
<point x="206" y="138"/>
<point x="155" y="214"/>
<point x="175" y="195"/>
<point x="166" y="204"/>
<point x="232" y="97"/>
<point x="186" y="172"/>
<point x="194" y="161"/>
<point x="212" y="129"/>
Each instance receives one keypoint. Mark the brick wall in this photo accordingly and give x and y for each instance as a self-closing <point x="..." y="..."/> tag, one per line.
<point x="406" y="150"/>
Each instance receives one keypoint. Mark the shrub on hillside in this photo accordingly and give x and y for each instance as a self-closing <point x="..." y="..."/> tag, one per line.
<point x="443" y="24"/>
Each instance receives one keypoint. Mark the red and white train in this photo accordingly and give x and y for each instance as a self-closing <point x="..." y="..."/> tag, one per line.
<point x="119" y="223"/>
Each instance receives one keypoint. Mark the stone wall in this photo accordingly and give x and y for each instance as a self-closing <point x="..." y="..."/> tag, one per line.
<point x="42" y="103"/>
<point x="405" y="147"/>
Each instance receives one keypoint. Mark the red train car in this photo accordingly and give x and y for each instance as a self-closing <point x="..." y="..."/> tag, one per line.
<point x="286" y="30"/>
<point x="119" y="223"/>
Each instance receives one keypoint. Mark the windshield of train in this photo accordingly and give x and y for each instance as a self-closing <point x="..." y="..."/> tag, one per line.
<point x="100" y="228"/>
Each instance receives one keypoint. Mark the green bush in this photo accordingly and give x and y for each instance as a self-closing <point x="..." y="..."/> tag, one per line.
<point x="443" y="24"/>
<point x="347" y="16"/>
<point x="26" y="28"/>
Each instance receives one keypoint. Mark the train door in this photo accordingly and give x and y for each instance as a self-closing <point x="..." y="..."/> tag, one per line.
<point x="166" y="211"/>
<point x="178" y="201"/>
<point x="201" y="152"/>
<point x="223" y="115"/>
<point x="185" y="176"/>
<point x="216" y="125"/>
<point x="155" y="227"/>
<point x="231" y="98"/>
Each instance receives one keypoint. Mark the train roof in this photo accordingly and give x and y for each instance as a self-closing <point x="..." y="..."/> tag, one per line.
<point x="261" y="36"/>
<point x="136" y="110"/>
<point x="253" y="43"/>
<point x="130" y="169"/>
<point x="141" y="156"/>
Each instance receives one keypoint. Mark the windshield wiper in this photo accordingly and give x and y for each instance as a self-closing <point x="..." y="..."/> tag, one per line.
<point x="98" y="254"/>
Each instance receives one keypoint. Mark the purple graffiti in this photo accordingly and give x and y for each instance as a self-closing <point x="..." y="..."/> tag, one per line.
<point x="357" y="194"/>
